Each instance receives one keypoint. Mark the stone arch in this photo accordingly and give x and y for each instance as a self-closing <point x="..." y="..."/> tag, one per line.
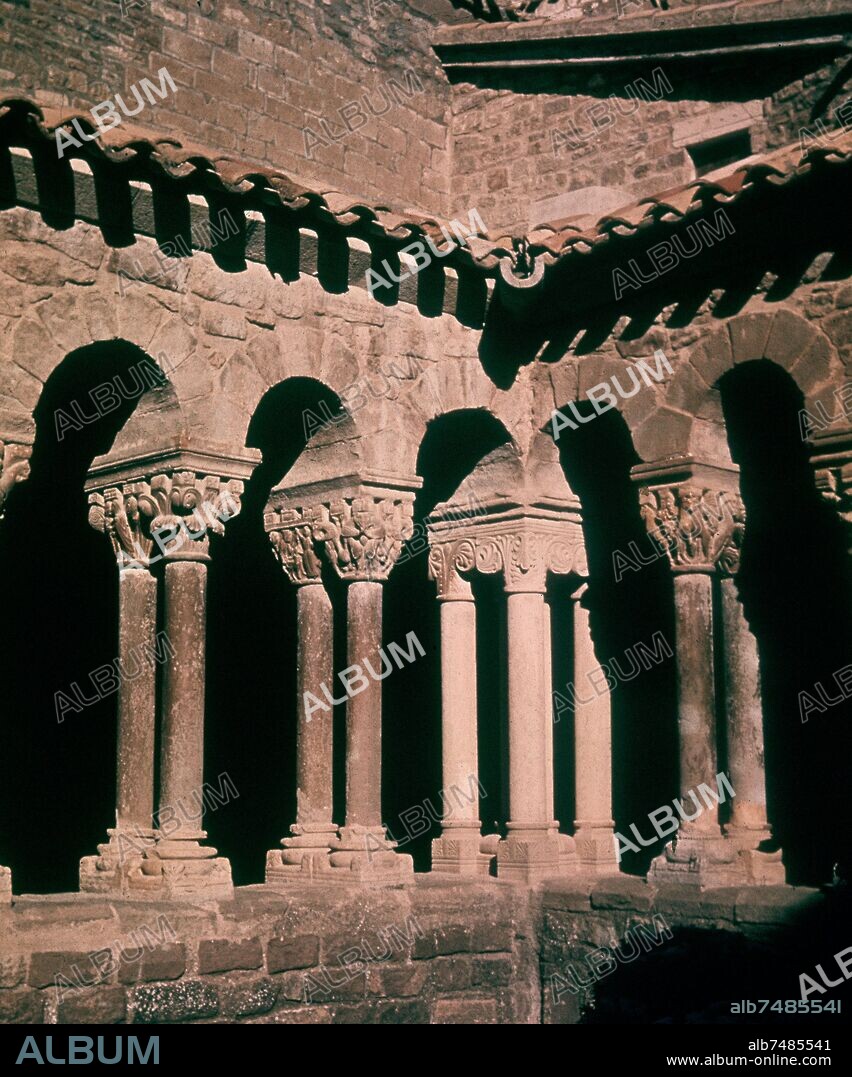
<point x="690" y="418"/>
<point x="68" y="321"/>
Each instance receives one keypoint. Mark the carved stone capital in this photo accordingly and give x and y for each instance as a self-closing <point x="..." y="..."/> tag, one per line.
<point x="361" y="535"/>
<point x="700" y="530"/>
<point x="835" y="485"/>
<point x="523" y="550"/>
<point x="169" y="516"/>
<point x="14" y="468"/>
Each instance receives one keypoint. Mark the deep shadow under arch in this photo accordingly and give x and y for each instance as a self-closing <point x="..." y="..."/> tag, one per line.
<point x="250" y="730"/>
<point x="452" y="446"/>
<point x="596" y="458"/>
<point x="794" y="581"/>
<point x="59" y="585"/>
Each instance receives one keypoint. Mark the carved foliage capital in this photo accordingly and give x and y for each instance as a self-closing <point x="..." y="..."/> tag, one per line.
<point x="14" y="468"/>
<point x="524" y="556"/>
<point x="361" y="536"/>
<point x="697" y="528"/>
<point x="175" y="513"/>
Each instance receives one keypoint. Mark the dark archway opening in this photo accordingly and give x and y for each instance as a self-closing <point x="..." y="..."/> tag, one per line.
<point x="251" y="640"/>
<point x="451" y="448"/>
<point x="795" y="587"/>
<point x="59" y="585"/>
<point x="631" y="601"/>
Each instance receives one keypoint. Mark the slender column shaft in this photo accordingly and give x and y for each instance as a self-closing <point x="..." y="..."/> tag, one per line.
<point x="364" y="710"/>
<point x="547" y="633"/>
<point x="314" y="735"/>
<point x="137" y="623"/>
<point x="592" y="732"/>
<point x="458" y="708"/>
<point x="528" y="787"/>
<point x="183" y="688"/>
<point x="695" y="692"/>
<point x="744" y="714"/>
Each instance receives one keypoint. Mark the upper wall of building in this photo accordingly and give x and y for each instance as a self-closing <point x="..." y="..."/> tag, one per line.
<point x="585" y="107"/>
<point x="262" y="80"/>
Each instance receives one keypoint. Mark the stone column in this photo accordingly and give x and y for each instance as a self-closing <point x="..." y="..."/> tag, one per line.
<point x="305" y="853"/>
<point x="362" y="536"/>
<point x="748" y="826"/>
<point x="594" y="827"/>
<point x="14" y="468"/>
<point x="699" y="530"/>
<point x="533" y="849"/>
<point x="183" y="509"/>
<point x="118" y="865"/>
<point x="458" y="851"/>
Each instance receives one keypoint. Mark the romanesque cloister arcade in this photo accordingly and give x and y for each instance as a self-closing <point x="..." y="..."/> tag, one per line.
<point x="375" y="510"/>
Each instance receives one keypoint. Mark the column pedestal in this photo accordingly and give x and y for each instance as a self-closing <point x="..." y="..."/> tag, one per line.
<point x="305" y="854"/>
<point x="748" y="827"/>
<point x="118" y="867"/>
<point x="699" y="854"/>
<point x="364" y="852"/>
<point x="532" y="849"/>
<point x="458" y="850"/>
<point x="178" y="859"/>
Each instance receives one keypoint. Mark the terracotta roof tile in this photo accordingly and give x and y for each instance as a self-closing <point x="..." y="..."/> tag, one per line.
<point x="22" y="122"/>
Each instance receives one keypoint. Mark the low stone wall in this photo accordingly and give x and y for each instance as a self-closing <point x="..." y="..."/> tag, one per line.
<point x="428" y="952"/>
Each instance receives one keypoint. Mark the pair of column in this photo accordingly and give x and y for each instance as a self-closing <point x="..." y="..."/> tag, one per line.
<point x="534" y="848"/>
<point x="701" y="531"/>
<point x="361" y="536"/>
<point x="167" y="519"/>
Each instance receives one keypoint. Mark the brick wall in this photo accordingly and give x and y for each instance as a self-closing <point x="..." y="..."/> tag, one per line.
<point x="252" y="75"/>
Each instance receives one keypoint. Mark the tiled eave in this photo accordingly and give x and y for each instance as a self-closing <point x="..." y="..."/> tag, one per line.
<point x="131" y="182"/>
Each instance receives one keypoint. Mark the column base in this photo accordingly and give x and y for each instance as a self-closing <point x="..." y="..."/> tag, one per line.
<point x="365" y="855"/>
<point x="183" y="867"/>
<point x="5" y="886"/>
<point x="459" y="851"/>
<point x="529" y="855"/>
<point x="761" y="867"/>
<point x="305" y="856"/>
<point x="595" y="843"/>
<point x="708" y="859"/>
<point x="118" y="866"/>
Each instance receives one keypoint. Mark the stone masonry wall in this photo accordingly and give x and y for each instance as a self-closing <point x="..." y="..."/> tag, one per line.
<point x="532" y="137"/>
<point x="435" y="952"/>
<point x="252" y="75"/>
<point x="432" y="953"/>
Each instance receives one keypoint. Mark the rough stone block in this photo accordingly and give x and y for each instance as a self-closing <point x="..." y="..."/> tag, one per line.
<point x="174" y="1002"/>
<point x="298" y="953"/>
<point x="45" y="967"/>
<point x="257" y="996"/>
<point x="98" y="1006"/>
<point x="22" y="1007"/>
<point x="225" y="955"/>
<point x="161" y="963"/>
<point x="464" y="1012"/>
<point x="400" y="980"/>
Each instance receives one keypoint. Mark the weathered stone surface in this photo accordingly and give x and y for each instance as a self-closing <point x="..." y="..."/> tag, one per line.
<point x="223" y="955"/>
<point x="160" y="963"/>
<point x="21" y="1007"/>
<point x="45" y="967"/>
<point x="464" y="1012"/>
<point x="174" y="1002"/>
<point x="98" y="1006"/>
<point x="299" y="953"/>
<point x="256" y="996"/>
